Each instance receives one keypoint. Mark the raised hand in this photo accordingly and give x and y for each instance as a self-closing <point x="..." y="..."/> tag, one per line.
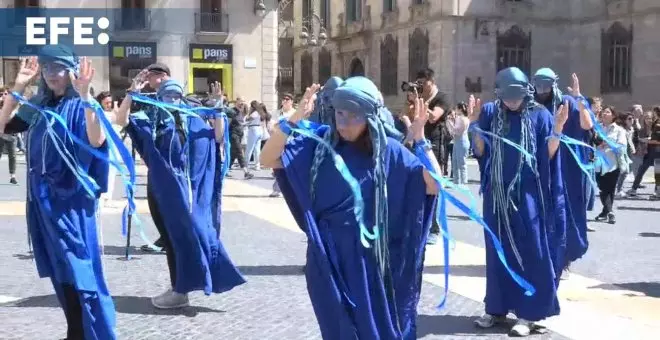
<point x="574" y="89"/>
<point x="421" y="111"/>
<point x="306" y="104"/>
<point x="473" y="108"/>
<point x="82" y="82"/>
<point x="561" y="116"/>
<point x="28" y="71"/>
<point x="140" y="81"/>
<point x="216" y="90"/>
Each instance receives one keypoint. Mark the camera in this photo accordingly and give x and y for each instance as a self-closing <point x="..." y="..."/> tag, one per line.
<point x="411" y="86"/>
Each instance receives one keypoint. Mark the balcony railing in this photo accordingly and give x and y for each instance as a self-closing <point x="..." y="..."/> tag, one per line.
<point x="133" y="19"/>
<point x="211" y="22"/>
<point x="285" y="75"/>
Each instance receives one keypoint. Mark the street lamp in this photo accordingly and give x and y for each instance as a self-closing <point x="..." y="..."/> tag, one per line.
<point x="308" y="36"/>
<point x="259" y="8"/>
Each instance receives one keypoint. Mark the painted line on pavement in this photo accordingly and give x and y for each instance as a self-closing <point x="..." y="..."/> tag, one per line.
<point x="7" y="299"/>
<point x="587" y="312"/>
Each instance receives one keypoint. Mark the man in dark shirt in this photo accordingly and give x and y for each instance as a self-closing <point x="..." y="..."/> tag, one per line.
<point x="435" y="129"/>
<point x="651" y="159"/>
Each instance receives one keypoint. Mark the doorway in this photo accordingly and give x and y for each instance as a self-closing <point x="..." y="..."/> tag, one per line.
<point x="203" y="77"/>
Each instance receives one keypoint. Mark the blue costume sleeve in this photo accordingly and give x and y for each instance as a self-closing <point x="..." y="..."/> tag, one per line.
<point x="409" y="228"/>
<point x="97" y="168"/>
<point x="140" y="130"/>
<point x="297" y="158"/>
<point x="551" y="176"/>
<point x="488" y="110"/>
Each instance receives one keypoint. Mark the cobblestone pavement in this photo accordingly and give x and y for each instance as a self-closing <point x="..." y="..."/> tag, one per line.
<point x="274" y="303"/>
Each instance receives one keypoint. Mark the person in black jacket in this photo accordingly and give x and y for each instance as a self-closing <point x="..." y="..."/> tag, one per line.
<point x="236" y="121"/>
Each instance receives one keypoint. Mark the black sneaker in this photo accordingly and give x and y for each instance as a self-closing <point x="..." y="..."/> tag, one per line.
<point x="611" y="219"/>
<point x="601" y="217"/>
<point x="248" y="175"/>
<point x="13" y="180"/>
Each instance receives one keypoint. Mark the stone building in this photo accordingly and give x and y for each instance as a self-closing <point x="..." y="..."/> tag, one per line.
<point x="613" y="45"/>
<point x="230" y="41"/>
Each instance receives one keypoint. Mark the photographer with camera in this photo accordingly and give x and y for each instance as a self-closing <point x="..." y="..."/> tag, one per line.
<point x="436" y="129"/>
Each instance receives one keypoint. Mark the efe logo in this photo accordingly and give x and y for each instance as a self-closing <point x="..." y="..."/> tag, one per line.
<point x="35" y="30"/>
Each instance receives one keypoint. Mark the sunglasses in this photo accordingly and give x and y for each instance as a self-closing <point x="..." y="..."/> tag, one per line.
<point x="53" y="70"/>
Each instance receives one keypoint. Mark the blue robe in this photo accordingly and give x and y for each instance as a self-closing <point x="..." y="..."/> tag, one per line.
<point x="347" y="293"/>
<point x="62" y="218"/>
<point x="577" y="187"/>
<point x="217" y="192"/>
<point x="537" y="229"/>
<point x="201" y="260"/>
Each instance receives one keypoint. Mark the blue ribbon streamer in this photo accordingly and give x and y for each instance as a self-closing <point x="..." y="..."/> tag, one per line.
<point x="202" y="112"/>
<point x="308" y="129"/>
<point x="473" y="215"/>
<point x="114" y="143"/>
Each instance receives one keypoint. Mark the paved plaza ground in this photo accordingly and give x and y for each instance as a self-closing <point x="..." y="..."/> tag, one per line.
<point x="614" y="292"/>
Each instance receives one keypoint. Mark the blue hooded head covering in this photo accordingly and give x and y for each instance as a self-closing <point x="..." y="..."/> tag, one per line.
<point x="61" y="55"/>
<point x="512" y="84"/>
<point x="324" y="113"/>
<point x="547" y="78"/>
<point x="51" y="54"/>
<point x="170" y="86"/>
<point x="360" y="96"/>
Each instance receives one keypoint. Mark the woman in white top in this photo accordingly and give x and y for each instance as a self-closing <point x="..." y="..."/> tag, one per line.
<point x="287" y="110"/>
<point x="106" y="101"/>
<point x="254" y="134"/>
<point x="461" y="145"/>
<point x="608" y="174"/>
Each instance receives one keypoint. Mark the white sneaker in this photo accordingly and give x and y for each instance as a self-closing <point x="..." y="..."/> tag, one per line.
<point x="170" y="300"/>
<point x="521" y="328"/>
<point x="524" y="328"/>
<point x="489" y="321"/>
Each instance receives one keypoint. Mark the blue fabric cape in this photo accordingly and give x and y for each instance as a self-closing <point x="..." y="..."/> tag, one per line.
<point x="201" y="260"/>
<point x="347" y="291"/>
<point x="577" y="188"/>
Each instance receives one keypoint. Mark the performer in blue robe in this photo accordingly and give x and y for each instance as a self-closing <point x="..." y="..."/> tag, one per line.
<point x="65" y="180"/>
<point x="522" y="197"/>
<point x="357" y="292"/>
<point x="577" y="184"/>
<point x="179" y="151"/>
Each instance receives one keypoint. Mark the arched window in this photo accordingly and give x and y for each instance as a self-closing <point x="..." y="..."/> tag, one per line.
<point x="307" y="11"/>
<point x="616" y="59"/>
<point x="418" y="53"/>
<point x="389" y="49"/>
<point x="514" y="49"/>
<point x="305" y="71"/>
<point x="357" y="68"/>
<point x="325" y="65"/>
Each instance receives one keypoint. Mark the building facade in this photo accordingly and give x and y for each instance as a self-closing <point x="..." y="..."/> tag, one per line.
<point x="200" y="40"/>
<point x="612" y="45"/>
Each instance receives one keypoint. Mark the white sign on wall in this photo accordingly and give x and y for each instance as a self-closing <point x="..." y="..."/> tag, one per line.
<point x="250" y="63"/>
